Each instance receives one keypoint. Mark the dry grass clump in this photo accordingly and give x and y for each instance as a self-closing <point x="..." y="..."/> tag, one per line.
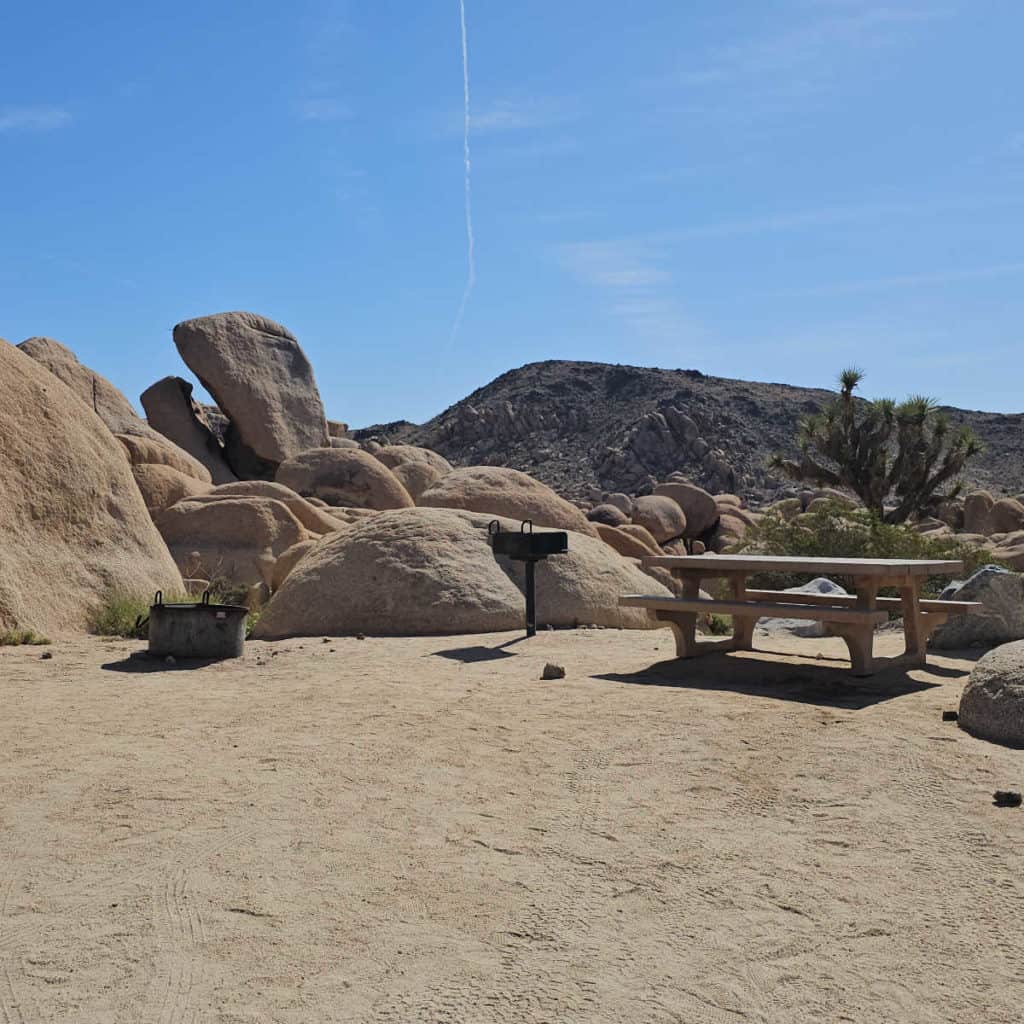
<point x="22" y="637"/>
<point x="127" y="615"/>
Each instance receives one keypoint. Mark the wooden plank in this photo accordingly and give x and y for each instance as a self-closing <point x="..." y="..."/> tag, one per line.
<point x="889" y="603"/>
<point x="753" y="609"/>
<point x="720" y="565"/>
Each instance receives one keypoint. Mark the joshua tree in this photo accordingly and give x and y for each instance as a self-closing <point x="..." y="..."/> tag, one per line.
<point x="881" y="448"/>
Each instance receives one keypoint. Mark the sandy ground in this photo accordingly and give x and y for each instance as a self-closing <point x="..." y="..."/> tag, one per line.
<point x="423" y="830"/>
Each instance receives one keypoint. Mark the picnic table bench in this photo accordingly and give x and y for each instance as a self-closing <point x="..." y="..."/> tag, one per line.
<point x="853" y="617"/>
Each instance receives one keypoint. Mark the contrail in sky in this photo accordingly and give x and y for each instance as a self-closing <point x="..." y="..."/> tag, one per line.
<point x="470" y="244"/>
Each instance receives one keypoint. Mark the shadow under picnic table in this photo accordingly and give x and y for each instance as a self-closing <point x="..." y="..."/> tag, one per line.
<point x="826" y="682"/>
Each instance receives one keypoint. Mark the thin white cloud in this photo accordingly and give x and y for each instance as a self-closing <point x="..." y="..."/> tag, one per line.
<point x="839" y="214"/>
<point x="329" y="36"/>
<point x="513" y="115"/>
<point x="814" y="43"/>
<point x="794" y="67"/>
<point x="505" y="116"/>
<point x="634" y="285"/>
<point x="525" y="152"/>
<point x="33" y="119"/>
<point x="611" y="264"/>
<point x="324" y="108"/>
<point x="899" y="281"/>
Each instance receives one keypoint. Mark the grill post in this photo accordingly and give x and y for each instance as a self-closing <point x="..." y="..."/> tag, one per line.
<point x="530" y="548"/>
<point x="531" y="599"/>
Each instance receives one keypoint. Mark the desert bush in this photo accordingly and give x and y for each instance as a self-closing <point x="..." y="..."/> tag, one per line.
<point x="123" y="614"/>
<point x="837" y="531"/>
<point x="20" y="637"/>
<point x="127" y="615"/>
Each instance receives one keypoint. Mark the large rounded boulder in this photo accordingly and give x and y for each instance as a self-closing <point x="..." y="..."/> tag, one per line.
<point x="290" y="558"/>
<point x="978" y="507"/>
<point x="344" y="476"/>
<point x="235" y="539"/>
<point x="498" y="491"/>
<point x="171" y="409"/>
<point x="643" y="535"/>
<point x="393" y="455"/>
<point x="314" y="519"/>
<point x="73" y="524"/>
<point x="163" y="486"/>
<point x="660" y="515"/>
<point x="260" y="377"/>
<point x="583" y="587"/>
<point x="609" y="515"/>
<point x="992" y="704"/>
<point x="998" y="620"/>
<point x="157" y="450"/>
<point x="417" y="469"/>
<point x="624" y="543"/>
<point x="699" y="507"/>
<point x="1010" y="550"/>
<point x="1006" y="516"/>
<point x="432" y="571"/>
<point x="95" y="391"/>
<point x="417" y="477"/>
<point x="400" y="573"/>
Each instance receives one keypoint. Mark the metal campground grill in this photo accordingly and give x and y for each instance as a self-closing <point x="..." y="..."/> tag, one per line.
<point x="530" y="548"/>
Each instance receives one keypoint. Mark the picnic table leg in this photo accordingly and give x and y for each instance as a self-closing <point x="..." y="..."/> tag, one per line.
<point x="742" y="627"/>
<point x="914" y="630"/>
<point x="860" y="640"/>
<point x="684" y="624"/>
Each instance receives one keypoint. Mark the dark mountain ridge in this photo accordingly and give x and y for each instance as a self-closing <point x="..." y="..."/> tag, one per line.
<point x="579" y="426"/>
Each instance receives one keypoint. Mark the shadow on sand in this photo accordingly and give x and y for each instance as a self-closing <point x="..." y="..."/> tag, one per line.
<point x="141" y="663"/>
<point x="468" y="655"/>
<point x="826" y="682"/>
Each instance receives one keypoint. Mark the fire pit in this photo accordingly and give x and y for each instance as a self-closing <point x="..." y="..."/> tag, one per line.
<point x="530" y="548"/>
<point x="200" y="630"/>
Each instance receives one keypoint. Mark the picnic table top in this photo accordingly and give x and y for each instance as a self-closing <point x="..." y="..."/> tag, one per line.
<point x="712" y="565"/>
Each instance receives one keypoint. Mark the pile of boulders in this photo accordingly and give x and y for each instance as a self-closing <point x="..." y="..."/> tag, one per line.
<point x="264" y="495"/>
<point x="993" y="523"/>
<point x="72" y="521"/>
<point x="676" y="517"/>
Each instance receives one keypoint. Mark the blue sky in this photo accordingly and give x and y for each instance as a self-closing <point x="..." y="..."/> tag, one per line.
<point x="765" y="189"/>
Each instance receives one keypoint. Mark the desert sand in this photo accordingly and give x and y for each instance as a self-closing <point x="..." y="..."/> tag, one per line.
<point x="423" y="830"/>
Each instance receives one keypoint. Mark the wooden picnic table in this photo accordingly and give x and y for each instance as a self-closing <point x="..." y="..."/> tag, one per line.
<point x="853" y="617"/>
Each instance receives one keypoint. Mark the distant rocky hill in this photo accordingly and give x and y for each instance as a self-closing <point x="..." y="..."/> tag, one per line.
<point x="578" y="425"/>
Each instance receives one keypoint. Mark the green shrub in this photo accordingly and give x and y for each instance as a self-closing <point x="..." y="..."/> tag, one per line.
<point x="719" y="625"/>
<point x="223" y="591"/>
<point x="250" y="621"/>
<point x="837" y="531"/>
<point x="122" y="614"/>
<point x="20" y="637"/>
<point x="127" y="615"/>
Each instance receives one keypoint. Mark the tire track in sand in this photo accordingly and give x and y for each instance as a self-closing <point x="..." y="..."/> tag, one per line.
<point x="10" y="937"/>
<point x="179" y="926"/>
<point x="538" y="952"/>
<point x="10" y="1005"/>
